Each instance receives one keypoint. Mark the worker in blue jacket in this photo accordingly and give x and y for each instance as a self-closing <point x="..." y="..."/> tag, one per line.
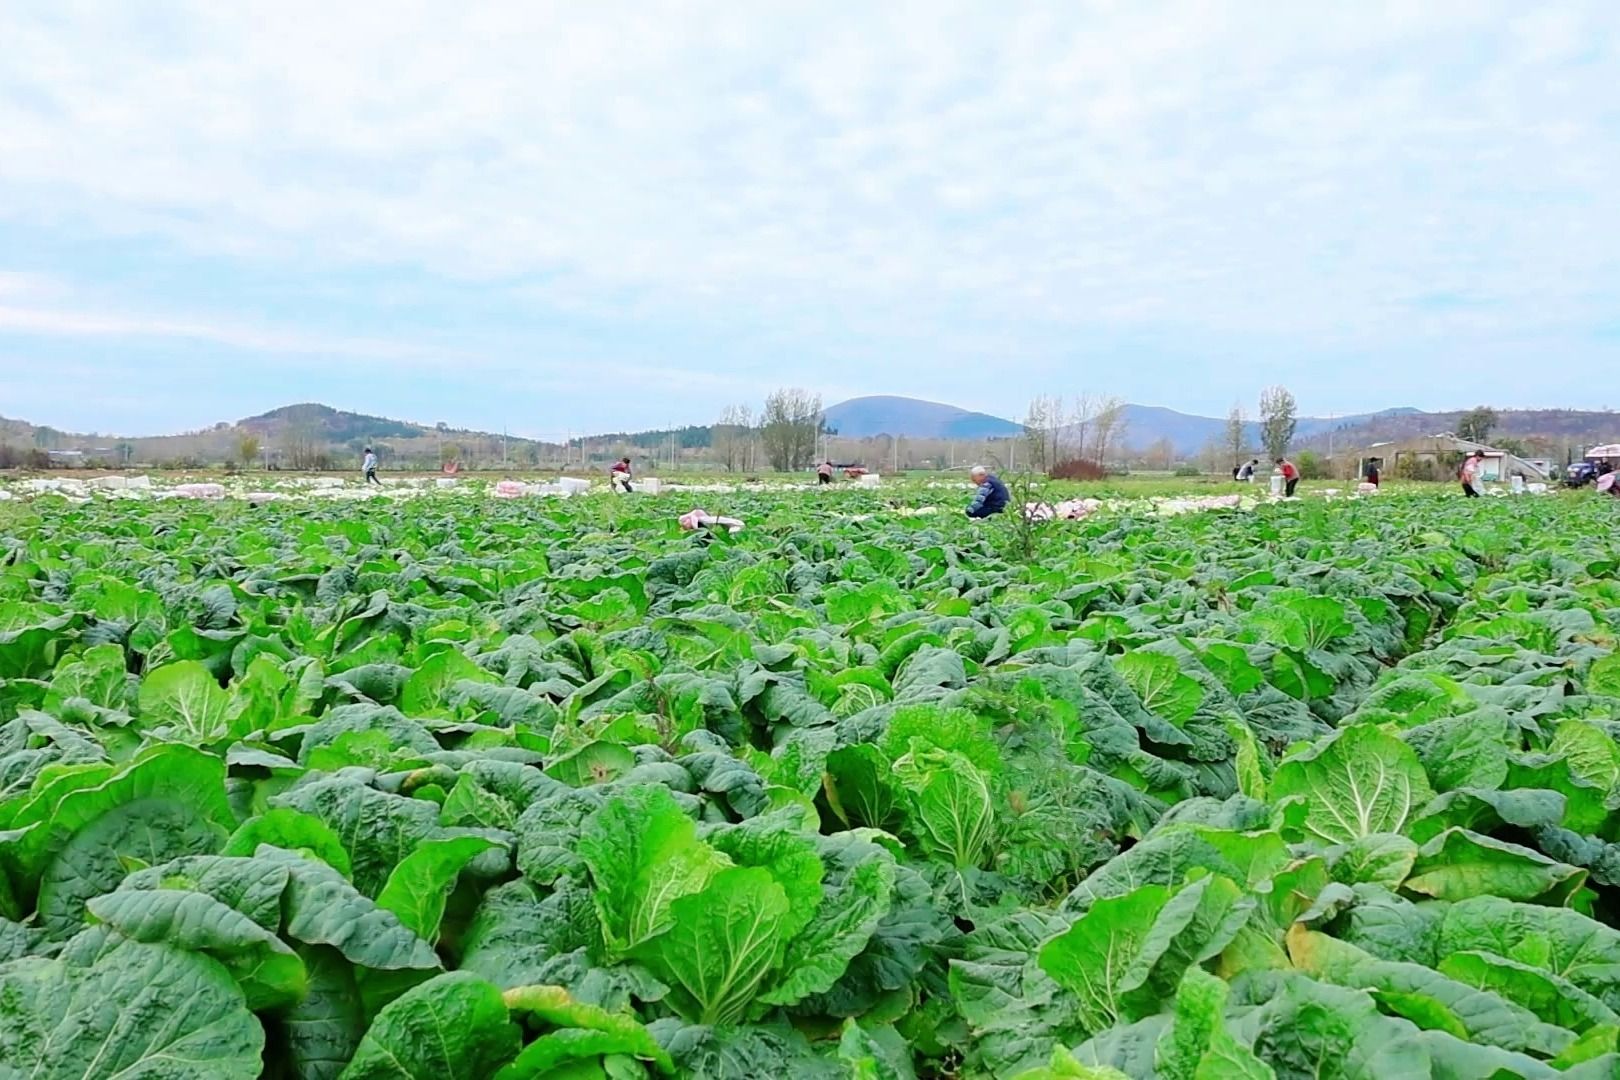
<point x="991" y="498"/>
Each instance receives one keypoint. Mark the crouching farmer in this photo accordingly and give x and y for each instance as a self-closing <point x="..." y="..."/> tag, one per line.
<point x="991" y="498"/>
<point x="619" y="476"/>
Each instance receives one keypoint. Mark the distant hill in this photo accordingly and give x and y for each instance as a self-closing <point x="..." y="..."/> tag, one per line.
<point x="317" y="435"/>
<point x="305" y="435"/>
<point x="331" y="425"/>
<point x="864" y="417"/>
<point x="1547" y="432"/>
<point x="1147" y="424"/>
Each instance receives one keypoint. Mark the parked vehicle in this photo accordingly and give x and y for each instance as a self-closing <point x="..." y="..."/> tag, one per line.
<point x="1580" y="473"/>
<point x="1599" y="461"/>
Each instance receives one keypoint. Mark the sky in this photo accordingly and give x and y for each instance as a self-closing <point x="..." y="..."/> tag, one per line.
<point x="553" y="217"/>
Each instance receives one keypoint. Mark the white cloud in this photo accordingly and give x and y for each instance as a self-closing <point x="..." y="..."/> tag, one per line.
<point x="18" y="285"/>
<point x="71" y="322"/>
<point x="928" y="174"/>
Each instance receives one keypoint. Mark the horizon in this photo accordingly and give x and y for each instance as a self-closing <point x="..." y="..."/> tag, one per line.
<point x="608" y="219"/>
<point x="1251" y="419"/>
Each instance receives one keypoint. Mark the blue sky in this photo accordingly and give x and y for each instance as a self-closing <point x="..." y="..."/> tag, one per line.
<point x="553" y="217"/>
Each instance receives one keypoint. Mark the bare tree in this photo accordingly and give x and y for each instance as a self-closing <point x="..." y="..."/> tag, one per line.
<point x="1081" y="416"/>
<point x="1161" y="455"/>
<point x="1107" y="427"/>
<point x="1279" y="416"/>
<point x="731" y="435"/>
<point x="1043" y="424"/>
<point x="301" y="446"/>
<point x="790" y="427"/>
<point x="1237" y="434"/>
<point x="1035" y="424"/>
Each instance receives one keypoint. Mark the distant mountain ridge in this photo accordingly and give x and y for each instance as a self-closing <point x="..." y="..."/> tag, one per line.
<point x="1575" y="429"/>
<point x="343" y="433"/>
<point x="1190" y="434"/>
<point x="913" y="418"/>
<point x="1146" y="424"/>
<point x="306" y="431"/>
<point x="337" y="424"/>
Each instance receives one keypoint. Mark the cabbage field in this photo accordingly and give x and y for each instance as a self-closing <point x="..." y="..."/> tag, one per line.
<point x="449" y="788"/>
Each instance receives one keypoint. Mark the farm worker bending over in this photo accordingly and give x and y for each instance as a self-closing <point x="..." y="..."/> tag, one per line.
<point x="368" y="468"/>
<point x="1290" y="475"/>
<point x="824" y="472"/>
<point x="1469" y="473"/>
<point x="1245" y="472"/>
<point x="991" y="498"/>
<point x="619" y="476"/>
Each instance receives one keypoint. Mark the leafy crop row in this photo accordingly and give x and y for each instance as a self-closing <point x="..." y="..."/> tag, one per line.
<point x="559" y="791"/>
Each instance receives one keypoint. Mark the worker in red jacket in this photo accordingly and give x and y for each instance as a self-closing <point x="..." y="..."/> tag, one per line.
<point x="619" y="475"/>
<point x="1290" y="475"/>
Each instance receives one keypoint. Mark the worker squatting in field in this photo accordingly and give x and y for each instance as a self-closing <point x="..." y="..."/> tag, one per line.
<point x="991" y="497"/>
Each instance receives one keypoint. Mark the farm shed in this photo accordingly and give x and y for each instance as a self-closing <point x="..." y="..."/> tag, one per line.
<point x="1441" y="453"/>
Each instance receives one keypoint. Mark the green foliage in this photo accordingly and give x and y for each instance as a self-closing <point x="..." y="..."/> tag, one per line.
<point x="110" y="1007"/>
<point x="1355" y="783"/>
<point x="1313" y="466"/>
<point x="554" y="790"/>
<point x="1476" y="424"/>
<point x="643" y="854"/>
<point x="453" y="1026"/>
